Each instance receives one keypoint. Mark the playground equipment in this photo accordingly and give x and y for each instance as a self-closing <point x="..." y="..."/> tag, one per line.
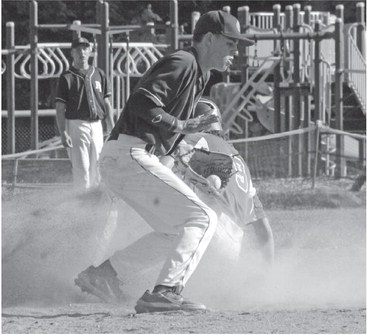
<point x="300" y="58"/>
<point x="287" y="77"/>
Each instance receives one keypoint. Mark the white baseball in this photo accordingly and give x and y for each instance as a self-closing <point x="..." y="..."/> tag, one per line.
<point x="214" y="181"/>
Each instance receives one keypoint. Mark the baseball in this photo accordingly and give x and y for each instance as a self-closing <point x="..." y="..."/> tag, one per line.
<point x="214" y="181"/>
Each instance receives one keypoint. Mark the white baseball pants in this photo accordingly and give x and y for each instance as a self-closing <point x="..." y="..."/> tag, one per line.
<point x="87" y="139"/>
<point x="166" y="203"/>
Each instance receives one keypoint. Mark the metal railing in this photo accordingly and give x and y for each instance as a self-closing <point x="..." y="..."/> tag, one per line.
<point x="355" y="72"/>
<point x="53" y="60"/>
<point x="264" y="20"/>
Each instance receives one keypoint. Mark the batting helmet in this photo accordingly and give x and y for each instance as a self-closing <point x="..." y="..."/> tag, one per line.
<point x="204" y="106"/>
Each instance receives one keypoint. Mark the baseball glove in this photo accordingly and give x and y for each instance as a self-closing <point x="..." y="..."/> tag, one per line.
<point x="201" y="167"/>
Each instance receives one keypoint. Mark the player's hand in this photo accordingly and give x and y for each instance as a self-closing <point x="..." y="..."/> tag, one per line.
<point x="66" y="140"/>
<point x="183" y="148"/>
<point x="197" y="124"/>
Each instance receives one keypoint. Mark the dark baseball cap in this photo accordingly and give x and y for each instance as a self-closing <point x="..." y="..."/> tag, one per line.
<point x="79" y="41"/>
<point x="220" y="22"/>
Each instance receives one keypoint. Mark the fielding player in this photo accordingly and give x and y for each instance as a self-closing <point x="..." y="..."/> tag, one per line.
<point x="82" y="101"/>
<point x="236" y="206"/>
<point x="155" y="119"/>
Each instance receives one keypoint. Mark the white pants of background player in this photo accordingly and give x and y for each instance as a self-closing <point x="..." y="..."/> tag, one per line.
<point x="87" y="139"/>
<point x="166" y="203"/>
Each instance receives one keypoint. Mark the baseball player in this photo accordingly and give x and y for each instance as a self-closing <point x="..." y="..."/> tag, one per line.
<point x="82" y="102"/>
<point x="236" y="206"/>
<point x="238" y="198"/>
<point x="157" y="116"/>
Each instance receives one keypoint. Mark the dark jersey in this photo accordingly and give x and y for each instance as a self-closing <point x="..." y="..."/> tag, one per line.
<point x="167" y="92"/>
<point x="239" y="194"/>
<point x="83" y="93"/>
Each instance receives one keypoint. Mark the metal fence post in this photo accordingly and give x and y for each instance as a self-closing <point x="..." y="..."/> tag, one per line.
<point x="33" y="36"/>
<point x="174" y="24"/>
<point x="317" y="63"/>
<point x="339" y="77"/>
<point x="361" y="43"/>
<point x="10" y="88"/>
<point x="361" y="29"/>
<point x="102" y="39"/>
<point x="307" y="100"/>
<point x="289" y="98"/>
<point x="244" y="19"/>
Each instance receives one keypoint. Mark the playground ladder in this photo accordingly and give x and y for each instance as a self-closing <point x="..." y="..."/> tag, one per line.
<point x="355" y="72"/>
<point x="245" y="95"/>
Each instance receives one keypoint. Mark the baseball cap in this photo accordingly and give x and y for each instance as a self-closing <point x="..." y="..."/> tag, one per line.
<point x="220" y="22"/>
<point x="79" y="41"/>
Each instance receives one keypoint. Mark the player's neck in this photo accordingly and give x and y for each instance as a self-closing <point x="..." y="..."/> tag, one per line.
<point x="202" y="58"/>
<point x="81" y="65"/>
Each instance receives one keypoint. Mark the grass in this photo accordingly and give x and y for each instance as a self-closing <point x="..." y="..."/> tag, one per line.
<point x="298" y="193"/>
<point x="280" y="193"/>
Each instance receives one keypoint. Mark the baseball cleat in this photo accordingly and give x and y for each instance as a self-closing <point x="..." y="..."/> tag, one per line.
<point x="106" y="287"/>
<point x="165" y="301"/>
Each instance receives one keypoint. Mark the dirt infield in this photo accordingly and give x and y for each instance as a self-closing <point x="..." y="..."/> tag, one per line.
<point x="316" y="286"/>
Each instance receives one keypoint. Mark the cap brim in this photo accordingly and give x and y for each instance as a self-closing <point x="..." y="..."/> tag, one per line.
<point x="240" y="38"/>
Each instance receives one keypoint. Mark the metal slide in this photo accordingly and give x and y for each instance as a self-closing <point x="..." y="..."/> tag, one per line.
<point x="246" y="96"/>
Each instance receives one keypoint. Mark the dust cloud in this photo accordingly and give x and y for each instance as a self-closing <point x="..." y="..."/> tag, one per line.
<point x="320" y="262"/>
<point x="49" y="236"/>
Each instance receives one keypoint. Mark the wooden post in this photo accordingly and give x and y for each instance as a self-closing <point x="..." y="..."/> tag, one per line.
<point x="278" y="26"/>
<point x="288" y="98"/>
<point x="226" y="75"/>
<point x="102" y="39"/>
<point x="339" y="77"/>
<point x="307" y="103"/>
<point x="339" y="11"/>
<point x="297" y="96"/>
<point x="361" y="32"/>
<point x="10" y="88"/>
<point x="317" y="74"/>
<point x="33" y="37"/>
<point x="174" y="24"/>
<point x="243" y="14"/>
<point x="127" y="38"/>
<point x="76" y="33"/>
<point x="277" y="77"/>
<point x="361" y="43"/>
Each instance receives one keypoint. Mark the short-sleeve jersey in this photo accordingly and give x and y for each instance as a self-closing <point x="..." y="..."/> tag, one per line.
<point x="173" y="84"/>
<point x="83" y="93"/>
<point x="239" y="194"/>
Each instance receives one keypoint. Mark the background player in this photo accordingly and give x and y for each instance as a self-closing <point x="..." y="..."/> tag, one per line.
<point x="82" y="102"/>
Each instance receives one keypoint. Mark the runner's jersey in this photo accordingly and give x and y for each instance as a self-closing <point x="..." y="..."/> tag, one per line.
<point x="239" y="194"/>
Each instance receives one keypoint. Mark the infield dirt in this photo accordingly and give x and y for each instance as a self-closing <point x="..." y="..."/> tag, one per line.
<point x="316" y="286"/>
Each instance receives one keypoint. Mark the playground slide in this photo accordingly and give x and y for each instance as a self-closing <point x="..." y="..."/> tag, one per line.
<point x="254" y="96"/>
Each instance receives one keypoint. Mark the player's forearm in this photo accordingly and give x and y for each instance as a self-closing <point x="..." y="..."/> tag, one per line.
<point x="60" y="117"/>
<point x="109" y="115"/>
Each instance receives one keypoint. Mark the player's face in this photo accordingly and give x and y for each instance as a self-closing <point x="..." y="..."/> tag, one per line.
<point x="224" y="50"/>
<point x="81" y="54"/>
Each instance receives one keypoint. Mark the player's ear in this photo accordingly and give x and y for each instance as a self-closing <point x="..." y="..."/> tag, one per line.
<point x="208" y="38"/>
